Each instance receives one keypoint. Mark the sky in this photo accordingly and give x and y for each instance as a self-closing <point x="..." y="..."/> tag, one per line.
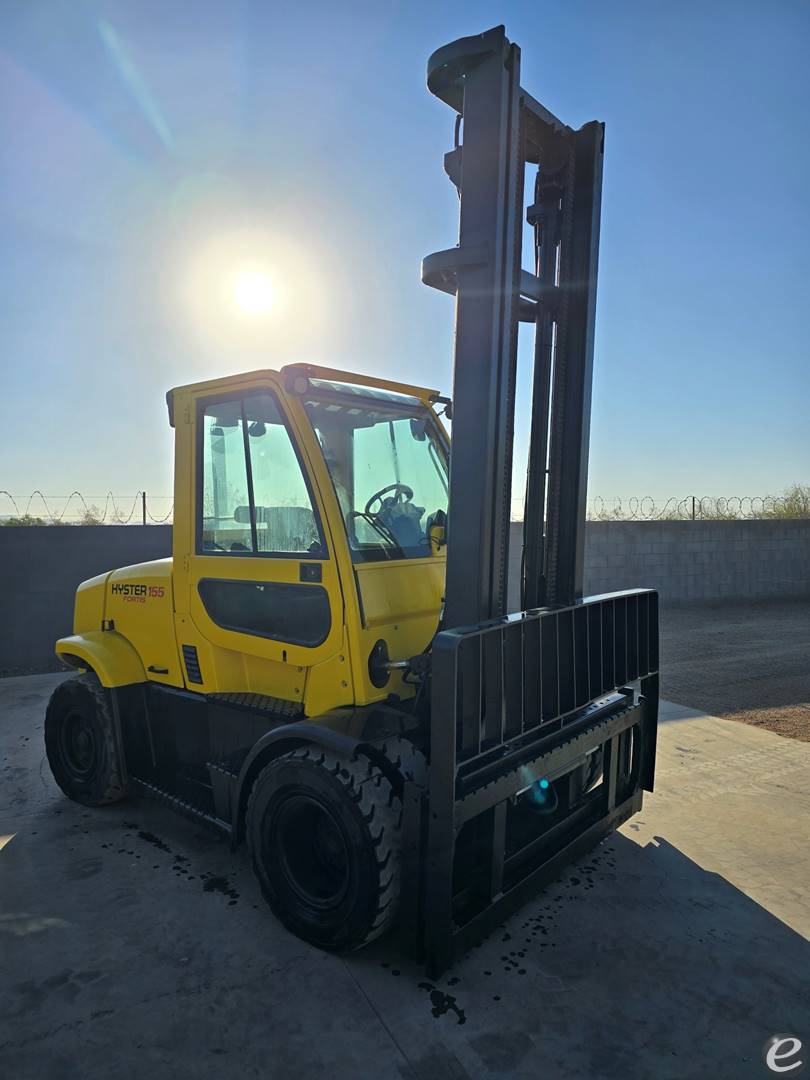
<point x="150" y="150"/>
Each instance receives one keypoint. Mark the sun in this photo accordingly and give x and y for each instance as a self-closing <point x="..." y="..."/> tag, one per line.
<point x="252" y="293"/>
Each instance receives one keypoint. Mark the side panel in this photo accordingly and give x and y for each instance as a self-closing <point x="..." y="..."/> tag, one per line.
<point x="411" y="589"/>
<point x="400" y="603"/>
<point x="88" y="610"/>
<point x="140" y="605"/>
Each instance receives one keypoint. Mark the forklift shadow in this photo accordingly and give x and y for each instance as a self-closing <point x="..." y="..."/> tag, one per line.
<point x="636" y="962"/>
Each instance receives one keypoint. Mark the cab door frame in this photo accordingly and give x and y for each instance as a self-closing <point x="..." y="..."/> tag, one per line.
<point x="267" y="662"/>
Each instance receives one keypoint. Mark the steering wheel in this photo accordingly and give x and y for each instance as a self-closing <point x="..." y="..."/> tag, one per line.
<point x="403" y="494"/>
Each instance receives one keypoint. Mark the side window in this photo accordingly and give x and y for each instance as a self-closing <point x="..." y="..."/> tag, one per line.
<point x="225" y="484"/>
<point x="255" y="498"/>
<point x="285" y="518"/>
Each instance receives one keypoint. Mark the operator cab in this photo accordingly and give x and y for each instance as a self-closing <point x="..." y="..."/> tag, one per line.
<point x="310" y="540"/>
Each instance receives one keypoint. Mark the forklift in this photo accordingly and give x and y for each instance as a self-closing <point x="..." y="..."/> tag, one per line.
<point x="326" y="667"/>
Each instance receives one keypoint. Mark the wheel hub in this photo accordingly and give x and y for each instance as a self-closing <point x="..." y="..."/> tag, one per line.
<point x="78" y="745"/>
<point x="312" y="851"/>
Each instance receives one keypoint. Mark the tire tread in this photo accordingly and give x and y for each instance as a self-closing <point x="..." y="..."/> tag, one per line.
<point x="114" y="787"/>
<point x="365" y="785"/>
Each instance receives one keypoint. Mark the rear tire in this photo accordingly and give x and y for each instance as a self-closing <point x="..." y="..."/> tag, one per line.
<point x="324" y="838"/>
<point x="80" y="742"/>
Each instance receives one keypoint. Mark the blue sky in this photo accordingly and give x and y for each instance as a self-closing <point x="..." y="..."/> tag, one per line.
<point x="148" y="145"/>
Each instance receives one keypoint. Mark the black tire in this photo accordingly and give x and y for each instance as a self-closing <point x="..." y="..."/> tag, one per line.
<point x="324" y="837"/>
<point x="80" y="742"/>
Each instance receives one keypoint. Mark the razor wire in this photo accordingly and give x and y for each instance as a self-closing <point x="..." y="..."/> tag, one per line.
<point x="79" y="509"/>
<point x="688" y="508"/>
<point x="140" y="508"/>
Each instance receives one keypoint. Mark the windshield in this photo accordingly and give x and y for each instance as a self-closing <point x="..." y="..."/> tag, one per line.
<point x="389" y="469"/>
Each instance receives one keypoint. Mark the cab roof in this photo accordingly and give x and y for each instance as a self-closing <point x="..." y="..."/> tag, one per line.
<point x="289" y="371"/>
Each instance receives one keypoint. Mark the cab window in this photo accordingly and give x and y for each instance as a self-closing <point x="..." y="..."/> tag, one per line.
<point x="389" y="469"/>
<point x="255" y="498"/>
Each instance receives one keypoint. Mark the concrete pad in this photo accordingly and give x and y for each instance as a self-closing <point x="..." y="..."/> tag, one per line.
<point x="134" y="944"/>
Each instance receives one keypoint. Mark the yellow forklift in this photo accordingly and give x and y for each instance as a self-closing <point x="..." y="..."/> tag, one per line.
<point x="326" y="667"/>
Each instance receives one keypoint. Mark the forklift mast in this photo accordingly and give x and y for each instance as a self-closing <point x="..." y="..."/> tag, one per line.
<point x="542" y="722"/>
<point x="502" y="130"/>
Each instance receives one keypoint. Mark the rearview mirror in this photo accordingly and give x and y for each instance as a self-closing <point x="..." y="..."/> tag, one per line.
<point x="418" y="429"/>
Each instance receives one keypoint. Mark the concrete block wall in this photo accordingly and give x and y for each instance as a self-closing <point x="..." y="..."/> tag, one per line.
<point x="685" y="561"/>
<point x="692" y="560"/>
<point x="40" y="568"/>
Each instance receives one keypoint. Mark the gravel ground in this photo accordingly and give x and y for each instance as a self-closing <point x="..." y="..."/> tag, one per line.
<point x="747" y="661"/>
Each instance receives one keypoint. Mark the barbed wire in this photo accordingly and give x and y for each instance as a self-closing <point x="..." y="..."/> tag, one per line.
<point x="692" y="507"/>
<point x="138" y="509"/>
<point x="695" y="508"/>
<point x="79" y="509"/>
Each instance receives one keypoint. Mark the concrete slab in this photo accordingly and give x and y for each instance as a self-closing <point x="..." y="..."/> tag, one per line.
<point x="134" y="944"/>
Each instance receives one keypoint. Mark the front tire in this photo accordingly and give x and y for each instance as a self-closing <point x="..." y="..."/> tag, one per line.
<point x="324" y="837"/>
<point x="80" y="742"/>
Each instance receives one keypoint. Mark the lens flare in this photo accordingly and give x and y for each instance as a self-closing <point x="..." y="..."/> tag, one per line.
<point x="542" y="797"/>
